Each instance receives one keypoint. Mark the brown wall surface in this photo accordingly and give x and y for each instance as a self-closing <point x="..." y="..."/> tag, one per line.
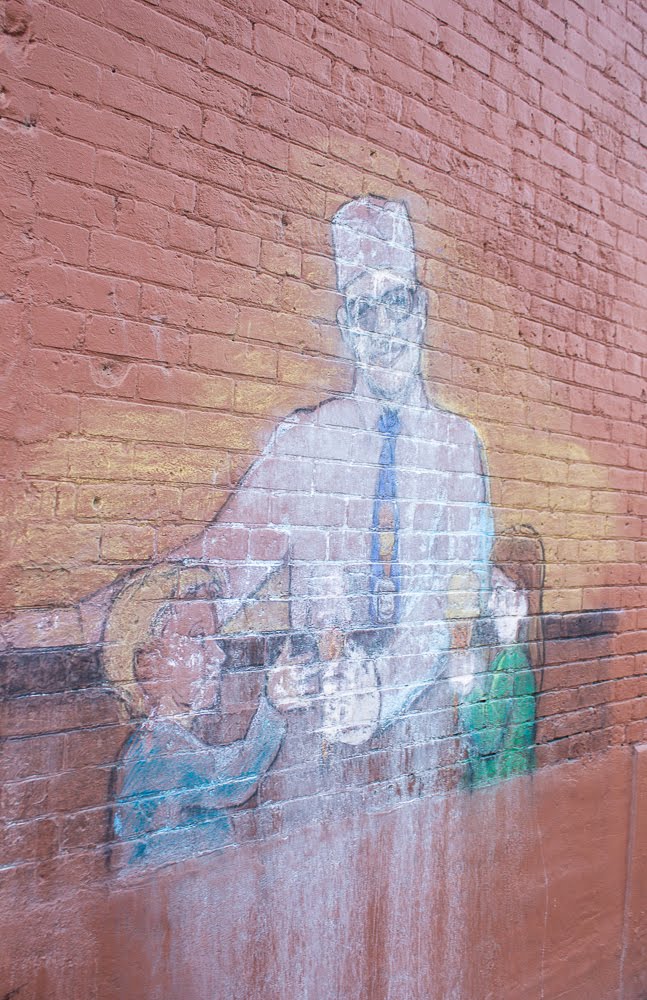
<point x="517" y="891"/>
<point x="323" y="666"/>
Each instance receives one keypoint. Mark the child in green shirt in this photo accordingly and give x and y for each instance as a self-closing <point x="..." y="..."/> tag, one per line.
<point x="497" y="713"/>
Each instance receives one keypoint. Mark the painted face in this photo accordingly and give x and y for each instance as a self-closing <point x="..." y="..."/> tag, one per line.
<point x="383" y="322"/>
<point x="508" y="606"/>
<point x="179" y="670"/>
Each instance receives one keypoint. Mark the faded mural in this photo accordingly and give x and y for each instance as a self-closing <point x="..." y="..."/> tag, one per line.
<point x="373" y="512"/>
<point x="497" y="713"/>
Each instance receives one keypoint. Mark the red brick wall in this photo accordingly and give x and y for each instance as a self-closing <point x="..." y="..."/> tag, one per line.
<point x="168" y="296"/>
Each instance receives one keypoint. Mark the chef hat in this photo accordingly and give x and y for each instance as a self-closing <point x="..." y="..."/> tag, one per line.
<point x="372" y="234"/>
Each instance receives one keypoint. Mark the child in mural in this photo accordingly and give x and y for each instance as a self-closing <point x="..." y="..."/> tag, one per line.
<point x="497" y="712"/>
<point x="170" y="788"/>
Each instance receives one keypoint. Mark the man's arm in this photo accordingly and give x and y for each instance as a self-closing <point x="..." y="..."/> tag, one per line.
<point x="226" y="564"/>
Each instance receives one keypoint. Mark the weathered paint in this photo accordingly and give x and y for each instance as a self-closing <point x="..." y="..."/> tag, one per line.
<point x="378" y="504"/>
<point x="324" y="495"/>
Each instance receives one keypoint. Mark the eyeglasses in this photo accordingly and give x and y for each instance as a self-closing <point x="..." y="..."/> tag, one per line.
<point x="394" y="306"/>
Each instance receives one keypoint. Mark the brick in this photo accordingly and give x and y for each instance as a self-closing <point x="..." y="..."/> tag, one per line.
<point x="132" y="257"/>
<point x="422" y="23"/>
<point x="136" y="422"/>
<point x="278" y="328"/>
<point x="63" y="72"/>
<point x="70" y="202"/>
<point x="127" y="543"/>
<point x="229" y="432"/>
<point x="32" y="588"/>
<point x="207" y="89"/>
<point x="247" y="68"/>
<point x="75" y="373"/>
<point x="68" y="158"/>
<point x="31" y="841"/>
<point x="58" y="546"/>
<point x="318" y="271"/>
<point x="52" y="327"/>
<point x="230" y="210"/>
<point x="314" y="373"/>
<point x="141" y="219"/>
<point x="201" y="503"/>
<point x="341" y="46"/>
<point x="366" y="155"/>
<point x="66" y="243"/>
<point x="181" y="466"/>
<point x="308" y="97"/>
<point x="580" y="195"/>
<point x="240" y="248"/>
<point x="388" y="70"/>
<point x="169" y="296"/>
<point x="183" y="387"/>
<point x="562" y="110"/>
<point x="317" y="303"/>
<point x="281" y="119"/>
<point x="151" y="104"/>
<point x="213" y="315"/>
<point x="223" y="23"/>
<point x="263" y="399"/>
<point x="39" y="756"/>
<point x="191" y="160"/>
<point x="191" y="236"/>
<point x="119" y="501"/>
<point x="219" y="280"/>
<point x="157" y="29"/>
<point x="102" y="128"/>
<point x="83" y="457"/>
<point x="320" y="169"/>
<point x="76" y="33"/>
<point x="280" y="189"/>
<point x="303" y="59"/>
<point x="221" y="131"/>
<point x="161" y="305"/>
<point x="460" y="47"/>
<point x="561" y="159"/>
<point x="438" y="63"/>
<point x="147" y="341"/>
<point x="216" y="354"/>
<point x="280" y="259"/>
<point x="119" y="173"/>
<point x="402" y="45"/>
<point x="79" y="289"/>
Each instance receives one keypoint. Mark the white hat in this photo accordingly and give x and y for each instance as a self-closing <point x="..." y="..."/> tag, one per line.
<point x="372" y="234"/>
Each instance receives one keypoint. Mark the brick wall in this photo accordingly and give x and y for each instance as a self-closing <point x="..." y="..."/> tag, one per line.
<point x="171" y="295"/>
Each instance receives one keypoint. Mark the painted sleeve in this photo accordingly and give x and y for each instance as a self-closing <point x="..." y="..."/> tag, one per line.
<point x="242" y="542"/>
<point x="182" y="781"/>
<point x="232" y="772"/>
<point x="251" y="536"/>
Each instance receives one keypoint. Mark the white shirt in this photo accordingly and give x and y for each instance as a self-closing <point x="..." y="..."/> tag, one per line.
<point x="308" y="503"/>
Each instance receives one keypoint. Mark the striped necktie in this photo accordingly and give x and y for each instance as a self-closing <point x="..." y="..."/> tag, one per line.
<point x="385" y="569"/>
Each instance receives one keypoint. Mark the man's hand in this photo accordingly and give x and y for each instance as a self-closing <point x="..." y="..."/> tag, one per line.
<point x="351" y="690"/>
<point x="293" y="680"/>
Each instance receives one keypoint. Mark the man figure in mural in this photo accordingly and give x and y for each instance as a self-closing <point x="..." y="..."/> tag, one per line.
<point x="377" y="505"/>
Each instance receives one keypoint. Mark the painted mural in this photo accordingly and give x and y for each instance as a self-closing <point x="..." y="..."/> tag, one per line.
<point x="373" y="510"/>
<point x="497" y="713"/>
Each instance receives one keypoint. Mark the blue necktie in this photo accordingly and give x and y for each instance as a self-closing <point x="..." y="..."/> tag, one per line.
<point x="385" y="569"/>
